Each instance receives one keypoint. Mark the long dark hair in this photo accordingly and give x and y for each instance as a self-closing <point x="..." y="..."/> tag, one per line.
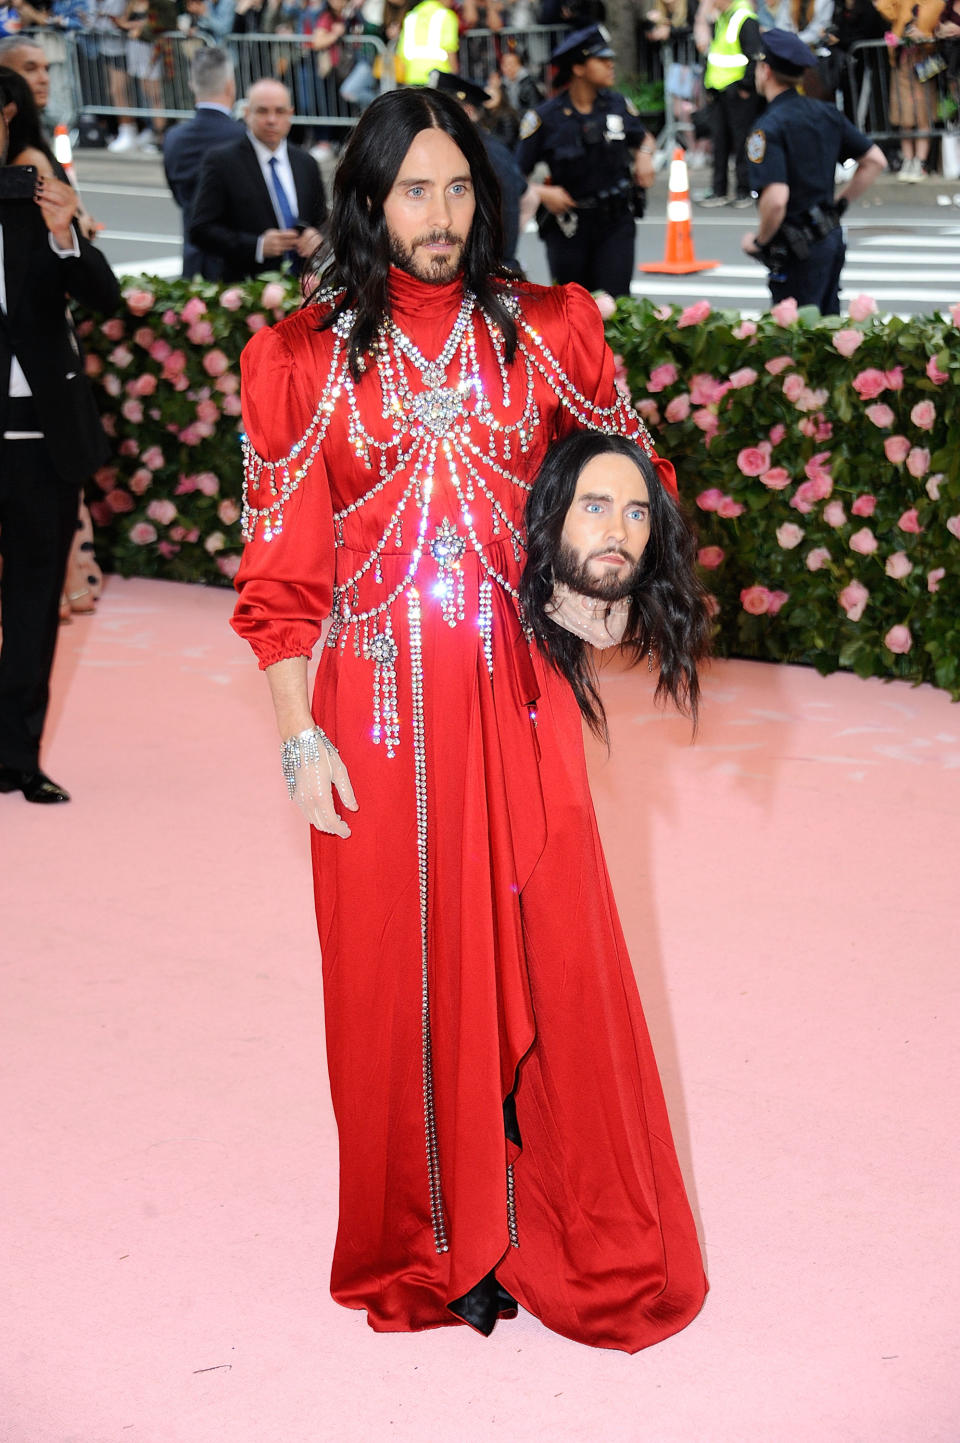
<point x="25" y="130"/>
<point x="668" y="616"/>
<point x="356" y="258"/>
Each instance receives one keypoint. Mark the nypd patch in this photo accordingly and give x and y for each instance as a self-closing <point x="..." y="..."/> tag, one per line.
<point x="756" y="146"/>
<point x="529" y="125"/>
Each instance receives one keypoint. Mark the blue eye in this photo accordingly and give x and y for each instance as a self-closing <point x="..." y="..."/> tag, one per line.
<point x="594" y="506"/>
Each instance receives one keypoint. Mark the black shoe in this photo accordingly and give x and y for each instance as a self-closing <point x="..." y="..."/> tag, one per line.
<point x="36" y="786"/>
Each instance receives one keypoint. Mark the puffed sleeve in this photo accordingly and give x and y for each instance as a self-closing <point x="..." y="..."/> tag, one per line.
<point x="285" y="580"/>
<point x="591" y="366"/>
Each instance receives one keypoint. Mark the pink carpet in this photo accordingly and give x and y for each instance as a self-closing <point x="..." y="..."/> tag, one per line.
<point x="789" y="889"/>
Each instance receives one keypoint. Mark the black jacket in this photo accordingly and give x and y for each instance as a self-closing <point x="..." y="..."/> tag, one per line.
<point x="184" y="150"/>
<point x="232" y="206"/>
<point x="37" y="330"/>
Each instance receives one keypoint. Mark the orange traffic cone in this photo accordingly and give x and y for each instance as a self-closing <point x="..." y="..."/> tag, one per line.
<point x="62" y="148"/>
<point x="679" y="259"/>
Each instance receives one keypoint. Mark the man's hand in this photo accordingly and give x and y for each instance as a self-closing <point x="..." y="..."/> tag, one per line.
<point x="307" y="242"/>
<point x="277" y="242"/>
<point x="58" y="204"/>
<point x="749" y="244"/>
<point x="556" y="199"/>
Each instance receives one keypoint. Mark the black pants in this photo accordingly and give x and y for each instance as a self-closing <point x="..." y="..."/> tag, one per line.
<point x="815" y="281"/>
<point x="38" y="518"/>
<point x="599" y="256"/>
<point x="731" y="116"/>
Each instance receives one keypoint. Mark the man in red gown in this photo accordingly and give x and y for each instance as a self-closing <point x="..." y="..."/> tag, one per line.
<point x="503" y="1134"/>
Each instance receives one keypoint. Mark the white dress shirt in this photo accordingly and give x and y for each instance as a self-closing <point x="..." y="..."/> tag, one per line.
<point x="284" y="174"/>
<point x="17" y="383"/>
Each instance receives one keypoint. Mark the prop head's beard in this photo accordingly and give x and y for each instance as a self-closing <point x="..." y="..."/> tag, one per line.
<point x="574" y="572"/>
<point x="436" y="270"/>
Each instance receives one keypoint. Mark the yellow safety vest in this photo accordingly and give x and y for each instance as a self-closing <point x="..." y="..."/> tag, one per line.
<point x="726" y="62"/>
<point x="430" y="33"/>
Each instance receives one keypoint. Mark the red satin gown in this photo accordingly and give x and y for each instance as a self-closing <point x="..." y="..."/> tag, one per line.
<point x="483" y="934"/>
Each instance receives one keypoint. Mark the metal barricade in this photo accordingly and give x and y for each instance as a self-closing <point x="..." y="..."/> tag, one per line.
<point x="112" y="75"/>
<point x="885" y="99"/>
<point x="313" y="81"/>
<point x="682" y="67"/>
<point x="480" y="50"/>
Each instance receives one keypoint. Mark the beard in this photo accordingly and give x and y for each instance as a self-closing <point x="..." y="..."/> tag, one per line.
<point x="574" y="571"/>
<point x="436" y="270"/>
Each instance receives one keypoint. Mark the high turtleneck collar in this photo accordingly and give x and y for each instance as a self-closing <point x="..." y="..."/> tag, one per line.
<point x="410" y="298"/>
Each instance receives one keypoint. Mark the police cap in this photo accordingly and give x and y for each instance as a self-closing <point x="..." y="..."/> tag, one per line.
<point x="785" y="52"/>
<point x="593" y="43"/>
<point x="468" y="92"/>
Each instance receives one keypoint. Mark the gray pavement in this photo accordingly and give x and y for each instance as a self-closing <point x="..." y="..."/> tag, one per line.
<point x="903" y="241"/>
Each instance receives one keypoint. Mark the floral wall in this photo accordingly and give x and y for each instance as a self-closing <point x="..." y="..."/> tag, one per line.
<point x="821" y="458"/>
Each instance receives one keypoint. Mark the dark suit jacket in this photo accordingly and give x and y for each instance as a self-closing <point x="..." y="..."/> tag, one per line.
<point x="184" y="148"/>
<point x="36" y="329"/>
<point x="232" y="206"/>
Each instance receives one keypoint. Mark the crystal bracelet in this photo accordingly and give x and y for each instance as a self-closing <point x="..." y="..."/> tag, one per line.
<point x="300" y="750"/>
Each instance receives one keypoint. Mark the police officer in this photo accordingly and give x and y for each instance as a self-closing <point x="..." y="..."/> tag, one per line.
<point x="792" y="154"/>
<point x="597" y="150"/>
<point x="513" y="183"/>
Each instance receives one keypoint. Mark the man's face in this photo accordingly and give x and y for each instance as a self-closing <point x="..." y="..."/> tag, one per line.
<point x="269" y="112"/>
<point x="606" y="529"/>
<point x="30" y="62"/>
<point x="429" y="210"/>
<point x="510" y="64"/>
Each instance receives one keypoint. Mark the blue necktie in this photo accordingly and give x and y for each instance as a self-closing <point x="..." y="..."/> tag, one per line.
<point x="283" y="200"/>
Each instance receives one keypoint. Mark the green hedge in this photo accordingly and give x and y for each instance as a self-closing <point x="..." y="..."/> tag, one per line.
<point x="822" y="459"/>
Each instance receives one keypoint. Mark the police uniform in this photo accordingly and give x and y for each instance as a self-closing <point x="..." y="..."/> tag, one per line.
<point x="798" y="142"/>
<point x="590" y="155"/>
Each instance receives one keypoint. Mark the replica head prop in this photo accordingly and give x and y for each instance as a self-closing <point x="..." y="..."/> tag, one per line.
<point x="601" y="524"/>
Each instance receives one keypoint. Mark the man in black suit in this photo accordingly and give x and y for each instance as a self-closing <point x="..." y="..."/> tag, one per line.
<point x="259" y="200"/>
<point x="50" y="440"/>
<point x="185" y="146"/>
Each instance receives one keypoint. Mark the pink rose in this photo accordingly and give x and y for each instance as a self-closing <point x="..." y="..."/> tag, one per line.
<point x="193" y="310"/>
<point x="140" y="481"/>
<point x="215" y="363"/>
<point x="794" y="386"/>
<point x="934" y="578"/>
<point x="142" y="533"/>
<point x="923" y="415"/>
<point x="128" y="447"/>
<point x="92" y="365"/>
<point x="705" y="419"/>
<point x="932" y="486"/>
<point x="232" y="298"/>
<point x="880" y="414"/>
<point x="185" y="485"/>
<point x="119" y="501"/>
<point x="729" y="509"/>
<point x="953" y="526"/>
<point x="811" y="400"/>
<point x="898" y="565"/>
<point x="114" y="329"/>
<point x="215" y="542"/>
<point x="869" y="383"/>
<point x="778" y="364"/>
<point x="227" y="383"/>
<point x="109" y="424"/>
<point x="710" y="500"/>
<point x="256" y="322"/>
<point x="146" y="384"/>
<point x="231" y="406"/>
<point x="853" y="598"/>
<point x="910" y="522"/>
<point x="132" y="410"/>
<point x="834" y="514"/>
<point x="208" y="411"/>
<point x="170" y="318"/>
<point x="162" y="510"/>
<point x="808" y="426"/>
<point x="649" y="410"/>
<point x="228" y="511"/>
<point x="817" y="558"/>
<point x="816" y="470"/>
<point x="160" y="350"/>
<point x="661" y="377"/>
<point x="861" y="307"/>
<point x="894" y="378"/>
<point x="898" y="640"/>
<point x="864" y="505"/>
<point x="192" y="536"/>
<point x="777" y="478"/>
<point x="863" y="541"/>
<point x="120" y="356"/>
<point x="663" y="313"/>
<point x="206" y="482"/>
<point x="745" y="330"/>
<point x="789" y="535"/>
<point x="707" y="390"/>
<point x="776" y="600"/>
<point x="152" y="457"/>
<point x="200" y="333"/>
<point x="785" y="312"/>
<point x="896" y="449"/>
<point x="694" y="314"/>
<point x="745" y="376"/>
<point x="710" y="556"/>
<point x="918" y="461"/>
<point x="273" y="295"/>
<point x="144" y="337"/>
<point x="101" y="513"/>
<point x="824" y="431"/>
<point x="955" y="314"/>
<point x="106" y="477"/>
<point x="846" y="342"/>
<point x="139" y="302"/>
<point x="935" y="374"/>
<point x="806" y="496"/>
<point x="606" y="305"/>
<point x="754" y="460"/>
<point x="228" y="565"/>
<point x="777" y="433"/>
<point x="167" y="549"/>
<point x="191" y="435"/>
<point x="755" y="600"/>
<point x="174" y="365"/>
<point x="678" y="409"/>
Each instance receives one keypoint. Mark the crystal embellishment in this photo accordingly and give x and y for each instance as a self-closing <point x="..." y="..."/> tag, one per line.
<point x="447" y="546"/>
<point x="438" y="409"/>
